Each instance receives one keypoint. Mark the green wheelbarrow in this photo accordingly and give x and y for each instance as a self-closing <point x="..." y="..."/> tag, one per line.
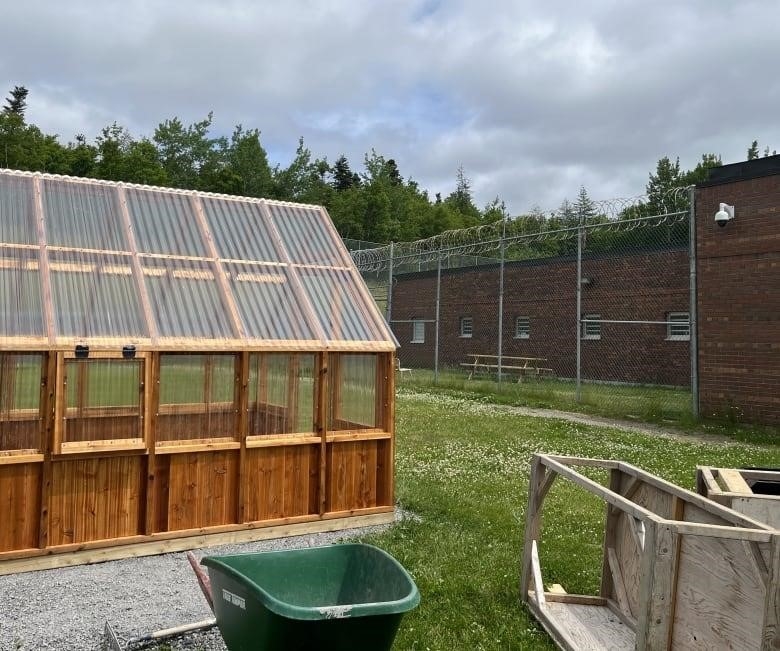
<point x="346" y="597"/>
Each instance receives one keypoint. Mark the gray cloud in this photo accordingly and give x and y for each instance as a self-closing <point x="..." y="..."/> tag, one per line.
<point x="533" y="100"/>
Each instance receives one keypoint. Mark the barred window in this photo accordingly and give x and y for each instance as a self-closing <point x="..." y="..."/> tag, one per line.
<point x="523" y="327"/>
<point x="466" y="326"/>
<point x="591" y="326"/>
<point x="678" y="326"/>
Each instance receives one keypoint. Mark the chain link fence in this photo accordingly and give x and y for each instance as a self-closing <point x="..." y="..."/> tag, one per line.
<point x="592" y="310"/>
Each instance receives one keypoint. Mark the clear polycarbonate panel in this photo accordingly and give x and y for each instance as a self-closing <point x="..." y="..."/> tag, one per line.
<point x="103" y="400"/>
<point x="95" y="296"/>
<point x="269" y="307"/>
<point x="281" y="393"/>
<point x="21" y="308"/>
<point x="240" y="230"/>
<point x="353" y="392"/>
<point x="198" y="398"/>
<point x="83" y="215"/>
<point x="307" y="236"/>
<point x="20" y="400"/>
<point x="185" y="298"/>
<point x="339" y="306"/>
<point x="165" y="222"/>
<point x="17" y="225"/>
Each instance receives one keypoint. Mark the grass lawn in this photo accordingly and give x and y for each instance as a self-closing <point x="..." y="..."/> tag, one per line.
<point x="462" y="467"/>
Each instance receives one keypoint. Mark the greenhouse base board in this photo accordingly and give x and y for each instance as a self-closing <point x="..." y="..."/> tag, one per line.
<point x="165" y="543"/>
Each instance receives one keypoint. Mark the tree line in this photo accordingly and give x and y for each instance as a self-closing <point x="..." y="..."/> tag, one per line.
<point x="376" y="203"/>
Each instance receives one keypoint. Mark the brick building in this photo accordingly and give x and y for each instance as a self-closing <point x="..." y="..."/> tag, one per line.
<point x="738" y="286"/>
<point x="540" y="315"/>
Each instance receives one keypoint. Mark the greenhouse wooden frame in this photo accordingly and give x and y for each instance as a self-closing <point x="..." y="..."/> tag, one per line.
<point x="180" y="369"/>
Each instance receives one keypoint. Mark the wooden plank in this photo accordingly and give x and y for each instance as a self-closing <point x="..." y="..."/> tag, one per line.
<point x="764" y="508"/>
<point x="20" y="506"/>
<point x="242" y="391"/>
<point x="47" y="302"/>
<point x="49" y="391"/>
<point x="733" y="482"/>
<point x="617" y="581"/>
<point x="720" y="602"/>
<point x="770" y="635"/>
<point x="143" y="294"/>
<point x="179" y="541"/>
<point x="607" y="588"/>
<point x="386" y="452"/>
<point x="151" y="403"/>
<point x="579" y="627"/>
<point x="532" y="523"/>
<point x="321" y="425"/>
<point x="536" y="572"/>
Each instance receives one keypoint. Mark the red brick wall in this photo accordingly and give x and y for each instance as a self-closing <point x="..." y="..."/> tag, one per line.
<point x="641" y="286"/>
<point x="738" y="271"/>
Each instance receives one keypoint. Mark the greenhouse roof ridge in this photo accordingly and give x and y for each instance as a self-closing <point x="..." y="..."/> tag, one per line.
<point x="155" y="188"/>
<point x="101" y="262"/>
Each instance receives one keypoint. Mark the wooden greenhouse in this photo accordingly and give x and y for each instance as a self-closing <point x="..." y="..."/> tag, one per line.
<point x="179" y="369"/>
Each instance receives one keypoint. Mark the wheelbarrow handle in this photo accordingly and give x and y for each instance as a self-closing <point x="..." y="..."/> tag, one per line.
<point x="203" y="579"/>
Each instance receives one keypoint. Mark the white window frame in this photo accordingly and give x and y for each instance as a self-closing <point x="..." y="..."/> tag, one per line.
<point x="418" y="337"/>
<point x="523" y="327"/>
<point x="678" y="320"/>
<point x="466" y="326"/>
<point x="595" y="333"/>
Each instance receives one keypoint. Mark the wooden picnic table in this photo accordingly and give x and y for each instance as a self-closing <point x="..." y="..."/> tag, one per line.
<point x="521" y="366"/>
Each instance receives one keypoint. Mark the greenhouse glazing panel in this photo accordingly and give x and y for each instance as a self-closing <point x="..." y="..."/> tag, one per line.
<point x="240" y="230"/>
<point x="185" y="299"/>
<point x="16" y="206"/>
<point x="341" y="310"/>
<point x="306" y="235"/>
<point x="83" y="215"/>
<point x="95" y="296"/>
<point x="165" y="222"/>
<point x="268" y="305"/>
<point x="21" y="307"/>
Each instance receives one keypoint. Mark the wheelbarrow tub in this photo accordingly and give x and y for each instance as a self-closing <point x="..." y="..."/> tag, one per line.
<point x="340" y="597"/>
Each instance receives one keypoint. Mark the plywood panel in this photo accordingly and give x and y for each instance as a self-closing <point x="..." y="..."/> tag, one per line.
<point x="202" y="489"/>
<point x="719" y="599"/>
<point x="19" y="506"/>
<point x="589" y="627"/>
<point x="96" y="499"/>
<point x="354" y="469"/>
<point x="282" y="482"/>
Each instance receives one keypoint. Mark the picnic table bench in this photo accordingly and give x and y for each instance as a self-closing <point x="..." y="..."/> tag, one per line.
<point x="522" y="367"/>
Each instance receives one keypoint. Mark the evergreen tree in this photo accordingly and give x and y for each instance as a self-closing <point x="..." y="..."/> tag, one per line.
<point x="752" y="151"/>
<point x="584" y="209"/>
<point x="16" y="104"/>
<point x="343" y="178"/>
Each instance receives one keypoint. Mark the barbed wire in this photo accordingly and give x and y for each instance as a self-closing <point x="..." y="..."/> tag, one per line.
<point x="611" y="215"/>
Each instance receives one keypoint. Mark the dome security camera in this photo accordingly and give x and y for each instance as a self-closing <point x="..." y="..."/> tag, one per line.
<point x="724" y="215"/>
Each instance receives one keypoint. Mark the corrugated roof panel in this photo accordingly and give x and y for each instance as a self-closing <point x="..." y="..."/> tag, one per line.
<point x="185" y="299"/>
<point x="306" y="235"/>
<point x="82" y="215"/>
<point x="21" y="308"/>
<point x="95" y="296"/>
<point x="17" y="214"/>
<point x="240" y="230"/>
<point x="267" y="302"/>
<point x="164" y="222"/>
<point x="338" y="305"/>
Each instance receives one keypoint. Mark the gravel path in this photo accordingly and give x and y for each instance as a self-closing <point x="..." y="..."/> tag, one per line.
<point x="65" y="609"/>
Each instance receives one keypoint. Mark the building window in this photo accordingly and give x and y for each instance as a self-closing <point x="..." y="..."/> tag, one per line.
<point x="418" y="331"/>
<point x="678" y="326"/>
<point x="591" y="326"/>
<point x="523" y="327"/>
<point x="466" y="326"/>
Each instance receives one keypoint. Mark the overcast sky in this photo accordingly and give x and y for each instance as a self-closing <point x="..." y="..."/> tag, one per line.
<point x="533" y="99"/>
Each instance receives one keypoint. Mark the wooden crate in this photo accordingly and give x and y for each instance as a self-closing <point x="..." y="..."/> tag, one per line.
<point x="740" y="489"/>
<point x="679" y="571"/>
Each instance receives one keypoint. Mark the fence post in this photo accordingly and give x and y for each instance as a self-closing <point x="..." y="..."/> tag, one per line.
<point x="501" y="300"/>
<point x="390" y="285"/>
<point x="578" y="392"/>
<point x="692" y="316"/>
<point x="436" y="339"/>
